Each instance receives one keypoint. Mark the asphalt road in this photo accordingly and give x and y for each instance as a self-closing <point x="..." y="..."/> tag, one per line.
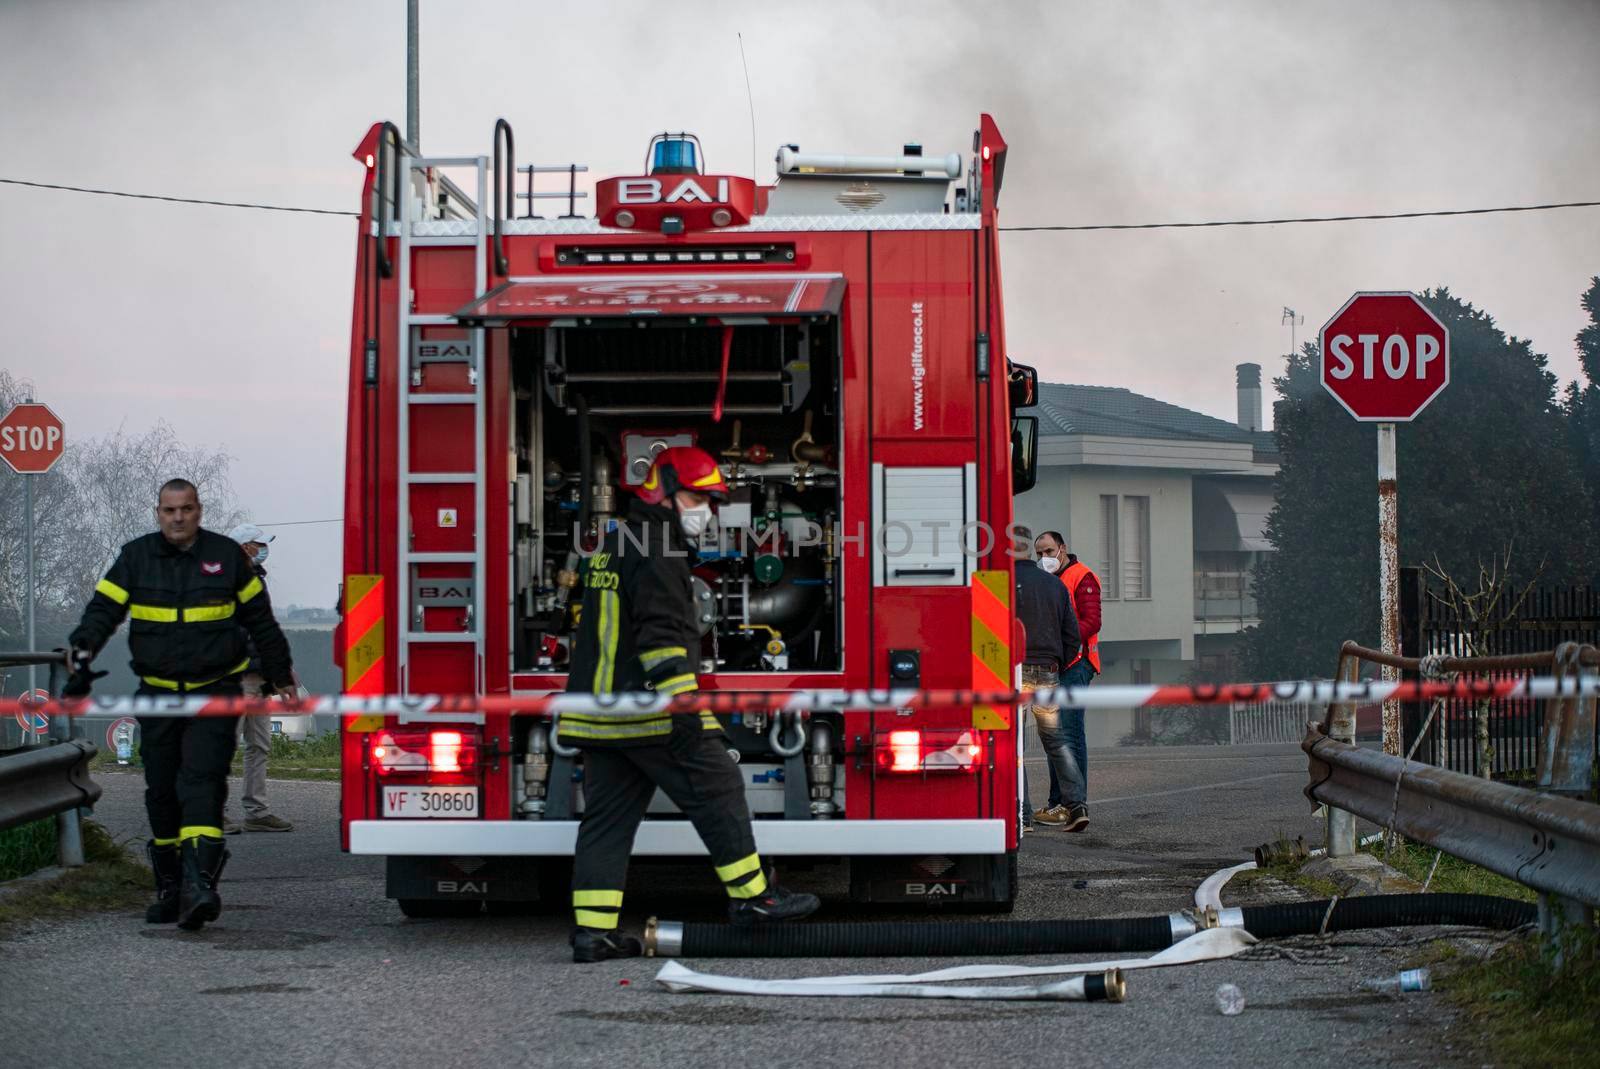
<point x="310" y="965"/>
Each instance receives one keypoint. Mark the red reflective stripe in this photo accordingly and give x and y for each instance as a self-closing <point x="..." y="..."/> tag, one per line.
<point x="371" y="681"/>
<point x="983" y="674"/>
<point x="990" y="610"/>
<point x="363" y="614"/>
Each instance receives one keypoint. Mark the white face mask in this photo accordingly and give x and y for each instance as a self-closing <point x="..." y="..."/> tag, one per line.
<point x="261" y="554"/>
<point x="1049" y="564"/>
<point x="695" y="520"/>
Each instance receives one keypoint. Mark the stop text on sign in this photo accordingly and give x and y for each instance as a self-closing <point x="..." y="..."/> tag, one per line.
<point x="1396" y="358"/>
<point x="35" y="438"/>
<point x="1385" y="356"/>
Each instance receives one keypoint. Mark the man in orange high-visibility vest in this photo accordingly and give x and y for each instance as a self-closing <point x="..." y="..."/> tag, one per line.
<point x="1083" y="588"/>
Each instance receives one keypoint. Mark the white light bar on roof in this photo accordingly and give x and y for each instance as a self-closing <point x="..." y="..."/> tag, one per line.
<point x="790" y="161"/>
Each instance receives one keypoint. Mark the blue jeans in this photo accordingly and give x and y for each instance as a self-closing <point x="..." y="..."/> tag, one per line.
<point x="1058" y="755"/>
<point x="1079" y="675"/>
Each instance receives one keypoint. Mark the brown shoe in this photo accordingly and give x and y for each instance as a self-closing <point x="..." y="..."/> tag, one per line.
<point x="1055" y="816"/>
<point x="267" y="822"/>
<point x="1076" y="818"/>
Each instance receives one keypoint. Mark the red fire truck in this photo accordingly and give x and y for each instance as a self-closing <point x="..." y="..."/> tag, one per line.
<point x="836" y="339"/>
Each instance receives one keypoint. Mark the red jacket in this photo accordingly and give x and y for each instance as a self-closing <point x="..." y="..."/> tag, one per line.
<point x="1083" y="587"/>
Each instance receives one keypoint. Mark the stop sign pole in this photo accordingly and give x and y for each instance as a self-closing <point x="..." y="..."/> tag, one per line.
<point x="1385" y="356"/>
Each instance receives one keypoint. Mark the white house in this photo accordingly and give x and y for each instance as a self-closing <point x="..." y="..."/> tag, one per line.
<point x="1167" y="505"/>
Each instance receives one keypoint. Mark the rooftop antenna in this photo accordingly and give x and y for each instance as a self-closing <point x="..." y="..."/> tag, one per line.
<point x="1292" y="320"/>
<point x="750" y="100"/>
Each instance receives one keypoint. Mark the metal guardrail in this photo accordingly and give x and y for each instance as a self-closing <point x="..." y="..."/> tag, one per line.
<point x="1547" y="839"/>
<point x="45" y="781"/>
<point x="49" y="780"/>
<point x="1547" y="842"/>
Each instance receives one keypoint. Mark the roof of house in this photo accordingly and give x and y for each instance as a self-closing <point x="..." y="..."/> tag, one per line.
<point x="1118" y="412"/>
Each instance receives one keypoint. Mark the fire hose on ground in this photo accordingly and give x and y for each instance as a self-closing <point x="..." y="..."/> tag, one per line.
<point x="889" y="939"/>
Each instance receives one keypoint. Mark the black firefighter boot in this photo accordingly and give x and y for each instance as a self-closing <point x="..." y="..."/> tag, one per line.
<point x="592" y="944"/>
<point x="198" y="901"/>
<point x="773" y="904"/>
<point x="168" y="873"/>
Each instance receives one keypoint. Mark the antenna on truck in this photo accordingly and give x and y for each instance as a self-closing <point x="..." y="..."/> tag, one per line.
<point x="751" y="101"/>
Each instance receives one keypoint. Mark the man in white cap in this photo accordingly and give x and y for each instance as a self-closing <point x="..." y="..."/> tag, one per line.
<point x="257" y="729"/>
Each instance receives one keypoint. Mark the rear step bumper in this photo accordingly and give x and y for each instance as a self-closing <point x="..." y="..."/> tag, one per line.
<point x="677" y="838"/>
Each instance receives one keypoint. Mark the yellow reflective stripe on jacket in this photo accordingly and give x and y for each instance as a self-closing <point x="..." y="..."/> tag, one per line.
<point x="597" y="898"/>
<point x="677" y="684"/>
<point x="734" y="869"/>
<point x="161" y="614"/>
<point x="651" y="658"/>
<point x="165" y="842"/>
<point x="173" y="684"/>
<point x="755" y="885"/>
<point x="112" y="591"/>
<point x="588" y="918"/>
<point x="196" y="831"/>
<point x="250" y="589"/>
<point x="605" y="665"/>
<point x="600" y="729"/>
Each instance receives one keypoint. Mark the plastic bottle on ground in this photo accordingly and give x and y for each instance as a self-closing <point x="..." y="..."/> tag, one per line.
<point x="1230" y="1000"/>
<point x="1405" y="981"/>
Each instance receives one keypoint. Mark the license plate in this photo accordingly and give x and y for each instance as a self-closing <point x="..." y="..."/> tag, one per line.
<point x="422" y="801"/>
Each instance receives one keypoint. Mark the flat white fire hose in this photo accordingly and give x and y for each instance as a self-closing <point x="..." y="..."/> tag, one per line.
<point x="1209" y="893"/>
<point x="1209" y="945"/>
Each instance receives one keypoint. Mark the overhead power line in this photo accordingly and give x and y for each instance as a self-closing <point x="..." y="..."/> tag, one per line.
<point x="301" y="523"/>
<point x="1314" y="218"/>
<point x="1430" y="214"/>
<point x="179" y="200"/>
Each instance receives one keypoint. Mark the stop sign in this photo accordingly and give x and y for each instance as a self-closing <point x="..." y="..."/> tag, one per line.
<point x="31" y="438"/>
<point x="1385" y="356"/>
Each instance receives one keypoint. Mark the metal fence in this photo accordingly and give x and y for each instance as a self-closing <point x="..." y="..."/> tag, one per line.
<point x="1267" y="722"/>
<point x="1545" y="619"/>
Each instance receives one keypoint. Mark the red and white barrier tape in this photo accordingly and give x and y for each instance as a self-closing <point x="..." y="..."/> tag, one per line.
<point x="461" y="707"/>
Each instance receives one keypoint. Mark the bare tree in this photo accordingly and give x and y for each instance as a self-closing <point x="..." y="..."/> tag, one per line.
<point x="1478" y="613"/>
<point x="99" y="496"/>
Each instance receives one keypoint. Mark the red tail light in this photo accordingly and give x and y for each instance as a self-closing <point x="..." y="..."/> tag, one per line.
<point x="436" y="754"/>
<point x="929" y="750"/>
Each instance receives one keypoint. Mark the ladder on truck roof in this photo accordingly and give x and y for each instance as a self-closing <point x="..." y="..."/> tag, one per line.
<point x="412" y="631"/>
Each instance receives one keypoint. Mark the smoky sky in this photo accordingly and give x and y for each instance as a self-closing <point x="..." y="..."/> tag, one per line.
<point x="235" y="325"/>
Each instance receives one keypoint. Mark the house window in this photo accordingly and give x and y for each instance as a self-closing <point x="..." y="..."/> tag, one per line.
<point x="1136" y="547"/>
<point x="1108" y="547"/>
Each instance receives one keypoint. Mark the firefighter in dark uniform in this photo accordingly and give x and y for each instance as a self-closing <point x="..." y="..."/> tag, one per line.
<point x="188" y="591"/>
<point x="638" y="631"/>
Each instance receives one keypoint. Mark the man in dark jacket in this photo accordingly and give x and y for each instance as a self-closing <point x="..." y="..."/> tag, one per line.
<point x="188" y="591"/>
<point x="1052" y="631"/>
<point x="638" y="630"/>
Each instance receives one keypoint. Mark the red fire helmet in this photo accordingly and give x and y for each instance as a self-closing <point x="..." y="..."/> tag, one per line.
<point x="683" y="467"/>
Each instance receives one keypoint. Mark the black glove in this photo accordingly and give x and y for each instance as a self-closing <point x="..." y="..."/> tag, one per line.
<point x="80" y="678"/>
<point x="80" y="682"/>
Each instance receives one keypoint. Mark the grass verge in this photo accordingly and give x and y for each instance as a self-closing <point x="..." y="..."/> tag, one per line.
<point x="1453" y="876"/>
<point x="27" y="848"/>
<point x="1525" y="1013"/>
<point x="110" y="880"/>
<point x="315" y="758"/>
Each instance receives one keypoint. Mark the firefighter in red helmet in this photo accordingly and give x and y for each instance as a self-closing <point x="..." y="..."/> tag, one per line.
<point x="638" y="631"/>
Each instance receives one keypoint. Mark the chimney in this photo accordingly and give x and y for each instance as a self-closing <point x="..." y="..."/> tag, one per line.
<point x="1249" y="378"/>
